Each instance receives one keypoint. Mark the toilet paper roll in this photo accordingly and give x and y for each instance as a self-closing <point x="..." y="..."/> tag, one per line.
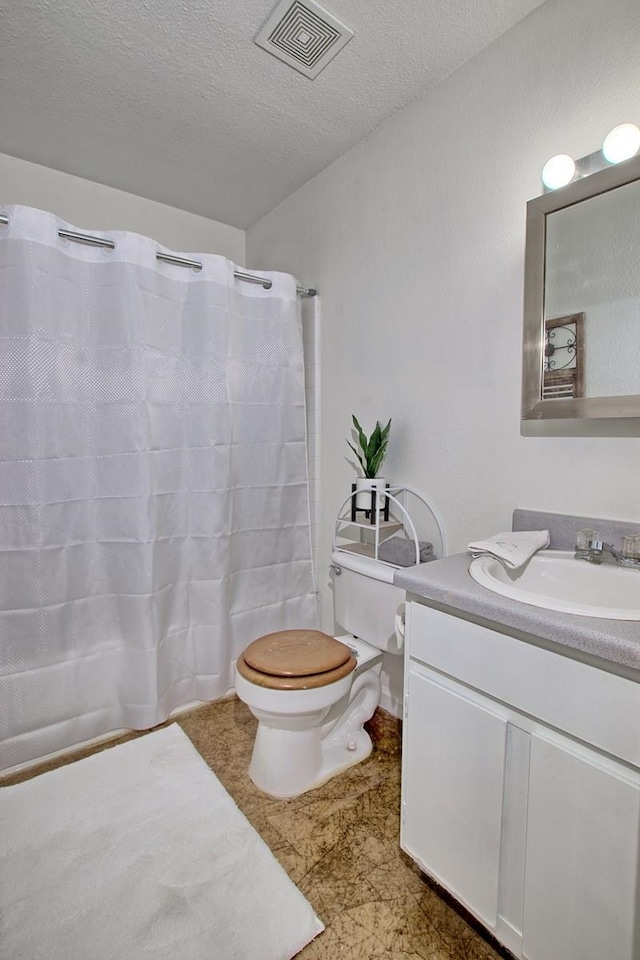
<point x="400" y="626"/>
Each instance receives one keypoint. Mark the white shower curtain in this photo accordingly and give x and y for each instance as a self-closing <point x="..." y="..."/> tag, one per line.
<point x="154" y="512"/>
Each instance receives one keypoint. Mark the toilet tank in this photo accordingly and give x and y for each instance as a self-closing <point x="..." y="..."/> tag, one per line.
<point x="365" y="601"/>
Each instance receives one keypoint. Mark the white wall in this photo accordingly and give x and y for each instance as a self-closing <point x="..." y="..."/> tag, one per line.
<point x="415" y="240"/>
<point x="92" y="206"/>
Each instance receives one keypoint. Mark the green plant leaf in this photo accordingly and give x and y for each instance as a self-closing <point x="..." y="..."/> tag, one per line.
<point x="360" y="460"/>
<point x="362" y="439"/>
<point x="374" y="443"/>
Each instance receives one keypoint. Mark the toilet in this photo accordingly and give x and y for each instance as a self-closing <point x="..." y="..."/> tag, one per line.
<point x="312" y="693"/>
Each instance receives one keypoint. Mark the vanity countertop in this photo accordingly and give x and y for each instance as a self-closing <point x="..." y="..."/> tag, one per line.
<point x="447" y="582"/>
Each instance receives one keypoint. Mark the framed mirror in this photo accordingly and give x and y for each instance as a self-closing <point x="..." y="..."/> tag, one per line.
<point x="582" y="263"/>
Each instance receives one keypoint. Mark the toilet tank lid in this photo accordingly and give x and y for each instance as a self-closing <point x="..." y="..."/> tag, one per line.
<point x="367" y="566"/>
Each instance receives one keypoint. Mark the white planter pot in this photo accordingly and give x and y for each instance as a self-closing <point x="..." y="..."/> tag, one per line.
<point x="364" y="486"/>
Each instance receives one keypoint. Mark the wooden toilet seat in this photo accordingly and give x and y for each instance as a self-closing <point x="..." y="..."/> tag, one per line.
<point x="295" y="660"/>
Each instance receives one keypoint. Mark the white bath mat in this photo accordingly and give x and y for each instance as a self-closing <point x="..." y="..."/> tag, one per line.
<point x="139" y="853"/>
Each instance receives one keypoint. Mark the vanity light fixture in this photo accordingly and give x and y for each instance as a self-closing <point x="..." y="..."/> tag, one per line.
<point x="558" y="171"/>
<point x="621" y="143"/>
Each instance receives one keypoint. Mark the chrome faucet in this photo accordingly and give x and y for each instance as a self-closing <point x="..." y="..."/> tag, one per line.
<point x="590" y="547"/>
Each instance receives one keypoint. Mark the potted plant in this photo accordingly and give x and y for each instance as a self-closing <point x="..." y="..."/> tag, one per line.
<point x="370" y="453"/>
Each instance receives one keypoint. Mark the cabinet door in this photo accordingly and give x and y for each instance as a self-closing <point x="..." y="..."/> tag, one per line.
<point x="580" y="900"/>
<point x="452" y="790"/>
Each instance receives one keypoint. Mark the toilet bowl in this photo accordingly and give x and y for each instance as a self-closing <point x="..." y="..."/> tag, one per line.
<point x="311" y="694"/>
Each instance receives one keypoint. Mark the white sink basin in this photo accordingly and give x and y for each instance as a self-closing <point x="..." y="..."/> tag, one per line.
<point x="555" y="580"/>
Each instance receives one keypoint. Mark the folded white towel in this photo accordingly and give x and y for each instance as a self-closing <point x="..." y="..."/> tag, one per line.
<point x="513" y="548"/>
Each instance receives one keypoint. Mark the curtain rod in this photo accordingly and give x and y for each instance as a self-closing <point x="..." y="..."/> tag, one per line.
<point x="169" y="258"/>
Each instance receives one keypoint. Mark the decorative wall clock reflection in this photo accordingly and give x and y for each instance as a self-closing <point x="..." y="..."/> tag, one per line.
<point x="563" y="365"/>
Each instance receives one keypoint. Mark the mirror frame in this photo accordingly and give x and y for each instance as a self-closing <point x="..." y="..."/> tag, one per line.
<point x="533" y="406"/>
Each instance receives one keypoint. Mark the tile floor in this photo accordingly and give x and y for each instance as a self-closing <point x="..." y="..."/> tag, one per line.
<point x="339" y="844"/>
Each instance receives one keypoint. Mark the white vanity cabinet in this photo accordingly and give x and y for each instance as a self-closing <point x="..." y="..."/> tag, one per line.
<point x="521" y="787"/>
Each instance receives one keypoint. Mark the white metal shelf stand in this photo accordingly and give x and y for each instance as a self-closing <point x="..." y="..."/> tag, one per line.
<point x="381" y="530"/>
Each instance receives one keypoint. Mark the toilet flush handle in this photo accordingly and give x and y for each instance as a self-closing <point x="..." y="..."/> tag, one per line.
<point x="336" y="569"/>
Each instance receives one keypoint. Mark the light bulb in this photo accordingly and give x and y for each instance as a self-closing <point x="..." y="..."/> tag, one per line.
<point x="621" y="143"/>
<point x="558" y="171"/>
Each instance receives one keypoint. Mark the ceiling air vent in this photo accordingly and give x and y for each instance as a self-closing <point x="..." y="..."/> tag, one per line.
<point x="304" y="35"/>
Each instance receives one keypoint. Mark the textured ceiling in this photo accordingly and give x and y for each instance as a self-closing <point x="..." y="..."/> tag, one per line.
<point x="172" y="100"/>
